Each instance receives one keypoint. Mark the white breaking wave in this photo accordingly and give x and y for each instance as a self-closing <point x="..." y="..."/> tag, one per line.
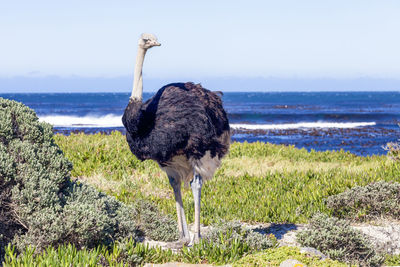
<point x="286" y="126"/>
<point x="89" y="121"/>
<point x="110" y="120"/>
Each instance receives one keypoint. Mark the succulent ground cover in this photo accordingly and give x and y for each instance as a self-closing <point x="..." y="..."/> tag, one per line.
<point x="225" y="243"/>
<point x="274" y="257"/>
<point x="257" y="182"/>
<point x="392" y="260"/>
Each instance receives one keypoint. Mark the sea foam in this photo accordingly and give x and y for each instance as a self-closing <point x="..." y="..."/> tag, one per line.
<point x="286" y="126"/>
<point x="111" y="120"/>
<point x="88" y="121"/>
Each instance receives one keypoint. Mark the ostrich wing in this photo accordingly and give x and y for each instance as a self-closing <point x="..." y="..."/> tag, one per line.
<point x="179" y="119"/>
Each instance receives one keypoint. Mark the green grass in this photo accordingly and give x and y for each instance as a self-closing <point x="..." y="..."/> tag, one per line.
<point x="129" y="253"/>
<point x="274" y="256"/>
<point x="392" y="260"/>
<point x="257" y="182"/>
<point x="124" y="254"/>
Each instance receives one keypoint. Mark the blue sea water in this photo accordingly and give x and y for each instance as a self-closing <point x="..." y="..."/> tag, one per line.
<point x="359" y="122"/>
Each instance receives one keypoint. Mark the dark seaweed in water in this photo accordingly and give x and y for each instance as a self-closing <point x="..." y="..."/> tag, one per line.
<point x="381" y="108"/>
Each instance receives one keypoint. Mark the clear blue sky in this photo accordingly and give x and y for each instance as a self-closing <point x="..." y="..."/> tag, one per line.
<point x="338" y="39"/>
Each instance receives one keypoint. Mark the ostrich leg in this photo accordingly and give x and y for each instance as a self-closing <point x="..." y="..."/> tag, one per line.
<point x="182" y="225"/>
<point x="196" y="184"/>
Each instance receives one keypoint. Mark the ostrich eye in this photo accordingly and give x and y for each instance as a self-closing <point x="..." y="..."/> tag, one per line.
<point x="146" y="40"/>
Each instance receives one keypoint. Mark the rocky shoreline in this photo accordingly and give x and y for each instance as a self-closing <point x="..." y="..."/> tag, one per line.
<point x="362" y="141"/>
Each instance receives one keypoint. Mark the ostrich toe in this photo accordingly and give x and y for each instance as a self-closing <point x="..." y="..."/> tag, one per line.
<point x="179" y="244"/>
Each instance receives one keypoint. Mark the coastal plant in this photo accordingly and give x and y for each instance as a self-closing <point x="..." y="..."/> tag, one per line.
<point x="338" y="240"/>
<point x="375" y="200"/>
<point x="232" y="230"/>
<point x="227" y="242"/>
<point x="40" y="205"/>
<point x="126" y="253"/>
<point x="64" y="255"/>
<point x="275" y="256"/>
<point x="257" y="182"/>
<point x="130" y="253"/>
<point x="221" y="245"/>
<point x="155" y="225"/>
<point x="393" y="150"/>
<point x="392" y="260"/>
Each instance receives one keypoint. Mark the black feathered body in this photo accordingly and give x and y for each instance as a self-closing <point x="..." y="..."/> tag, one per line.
<point x="182" y="127"/>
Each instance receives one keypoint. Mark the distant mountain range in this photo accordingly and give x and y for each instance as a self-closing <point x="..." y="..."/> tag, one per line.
<point x="123" y="84"/>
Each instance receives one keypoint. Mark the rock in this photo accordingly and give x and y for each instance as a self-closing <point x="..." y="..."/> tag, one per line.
<point x="313" y="252"/>
<point x="385" y="237"/>
<point x="292" y="263"/>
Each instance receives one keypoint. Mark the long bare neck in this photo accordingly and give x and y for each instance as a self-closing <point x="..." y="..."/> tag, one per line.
<point x="137" y="90"/>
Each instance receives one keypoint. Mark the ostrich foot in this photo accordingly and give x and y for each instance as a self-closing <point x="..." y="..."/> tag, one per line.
<point x="179" y="244"/>
<point x="196" y="238"/>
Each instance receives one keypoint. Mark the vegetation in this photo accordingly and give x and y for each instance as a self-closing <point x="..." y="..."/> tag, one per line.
<point x="376" y="200"/>
<point x="392" y="260"/>
<point x="53" y="219"/>
<point x="122" y="254"/>
<point x="227" y="242"/>
<point x="393" y="150"/>
<point x="257" y="182"/>
<point x="339" y="241"/>
<point x="222" y="245"/>
<point x="274" y="256"/>
<point x="41" y="206"/>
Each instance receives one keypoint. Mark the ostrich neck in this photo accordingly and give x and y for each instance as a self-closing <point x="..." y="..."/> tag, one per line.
<point x="137" y="90"/>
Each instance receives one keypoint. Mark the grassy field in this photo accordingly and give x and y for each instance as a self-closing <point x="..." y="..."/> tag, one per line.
<point x="257" y="182"/>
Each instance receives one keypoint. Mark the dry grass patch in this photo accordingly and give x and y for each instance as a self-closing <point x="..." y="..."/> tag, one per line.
<point x="100" y="182"/>
<point x="236" y="167"/>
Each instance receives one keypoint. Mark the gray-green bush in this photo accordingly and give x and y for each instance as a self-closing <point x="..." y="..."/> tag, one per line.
<point x="155" y="225"/>
<point x="393" y="150"/>
<point x="39" y="204"/>
<point x="233" y="230"/>
<point x="376" y="200"/>
<point x="335" y="238"/>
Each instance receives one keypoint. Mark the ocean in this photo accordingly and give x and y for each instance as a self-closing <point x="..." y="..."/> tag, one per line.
<point x="359" y="122"/>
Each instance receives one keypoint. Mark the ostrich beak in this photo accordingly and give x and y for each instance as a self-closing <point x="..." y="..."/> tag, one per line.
<point x="157" y="44"/>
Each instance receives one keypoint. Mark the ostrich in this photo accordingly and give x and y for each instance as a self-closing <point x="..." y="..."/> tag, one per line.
<point x="184" y="128"/>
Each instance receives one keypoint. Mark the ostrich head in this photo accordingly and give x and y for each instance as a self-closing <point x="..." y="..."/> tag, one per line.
<point x="148" y="40"/>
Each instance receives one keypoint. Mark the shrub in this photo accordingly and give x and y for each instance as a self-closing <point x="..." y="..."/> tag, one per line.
<point x="155" y="225"/>
<point x="374" y="200"/>
<point x="335" y="238"/>
<point x="393" y="149"/>
<point x="233" y="230"/>
<point x="39" y="204"/>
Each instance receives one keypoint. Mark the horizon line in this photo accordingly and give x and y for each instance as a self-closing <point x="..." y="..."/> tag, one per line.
<point x="250" y="91"/>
